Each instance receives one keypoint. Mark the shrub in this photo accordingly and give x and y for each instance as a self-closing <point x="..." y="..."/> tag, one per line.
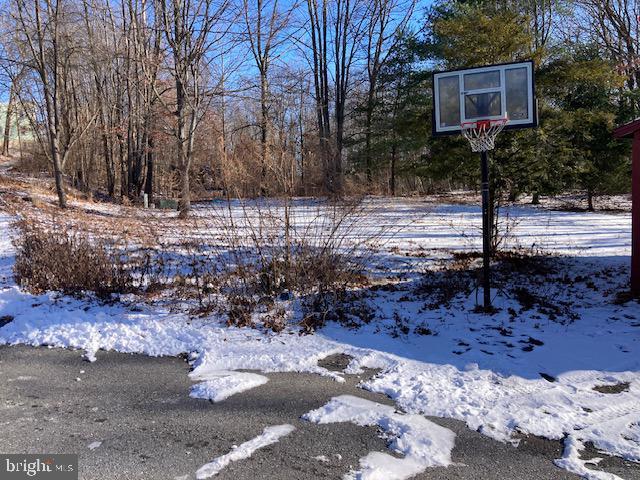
<point x="56" y="259"/>
<point x="246" y="261"/>
<point x="277" y="251"/>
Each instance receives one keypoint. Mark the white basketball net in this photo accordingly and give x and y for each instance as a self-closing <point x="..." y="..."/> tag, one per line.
<point x="482" y="134"/>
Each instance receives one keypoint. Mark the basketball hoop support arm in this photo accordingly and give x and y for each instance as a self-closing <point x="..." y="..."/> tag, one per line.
<point x="486" y="230"/>
<point x="482" y="135"/>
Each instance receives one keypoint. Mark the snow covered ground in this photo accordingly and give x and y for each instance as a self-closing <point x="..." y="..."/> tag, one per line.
<point x="520" y="370"/>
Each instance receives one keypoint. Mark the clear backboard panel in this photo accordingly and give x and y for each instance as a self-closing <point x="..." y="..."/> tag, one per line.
<point x="449" y="94"/>
<point x="482" y="105"/>
<point x="484" y="93"/>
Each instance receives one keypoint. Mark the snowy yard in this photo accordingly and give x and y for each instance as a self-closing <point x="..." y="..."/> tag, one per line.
<point x="565" y="365"/>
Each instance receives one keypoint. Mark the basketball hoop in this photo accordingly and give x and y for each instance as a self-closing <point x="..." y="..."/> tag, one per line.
<point x="482" y="133"/>
<point x="479" y="103"/>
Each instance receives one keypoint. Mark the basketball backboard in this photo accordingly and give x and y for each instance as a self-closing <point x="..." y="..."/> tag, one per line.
<point x="484" y="93"/>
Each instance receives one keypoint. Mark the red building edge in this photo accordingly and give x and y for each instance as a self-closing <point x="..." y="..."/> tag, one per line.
<point x="632" y="130"/>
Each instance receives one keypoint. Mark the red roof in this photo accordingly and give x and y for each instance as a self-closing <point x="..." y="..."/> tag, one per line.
<point x="627" y="130"/>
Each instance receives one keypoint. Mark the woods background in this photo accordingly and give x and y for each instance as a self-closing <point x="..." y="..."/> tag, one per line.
<point x="203" y="98"/>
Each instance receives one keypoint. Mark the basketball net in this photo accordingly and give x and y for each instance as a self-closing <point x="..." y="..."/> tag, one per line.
<point x="482" y="134"/>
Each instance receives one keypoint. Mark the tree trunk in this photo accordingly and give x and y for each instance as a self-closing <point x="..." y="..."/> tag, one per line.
<point x="109" y="166"/>
<point x="53" y="122"/>
<point x="536" y="199"/>
<point x="302" y="143"/>
<point x="590" y="200"/>
<point x="337" y="181"/>
<point x="123" y="167"/>
<point x="107" y="151"/>
<point x="57" y="167"/>
<point x="7" y="122"/>
<point x="148" y="185"/>
<point x="184" y="204"/>
<point x="264" y="133"/>
<point x="392" y="176"/>
<point x="368" y="122"/>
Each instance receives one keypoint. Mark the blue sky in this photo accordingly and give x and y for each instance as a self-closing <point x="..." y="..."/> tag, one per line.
<point x="421" y="7"/>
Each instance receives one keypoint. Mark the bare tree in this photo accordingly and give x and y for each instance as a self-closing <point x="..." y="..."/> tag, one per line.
<point x="349" y="24"/>
<point x="318" y="32"/>
<point x="266" y="23"/>
<point x="127" y="96"/>
<point x="542" y="14"/>
<point x="101" y="61"/>
<point x="387" y="19"/>
<point x="45" y="27"/>
<point x="188" y="26"/>
<point x="11" y="106"/>
<point x="338" y="25"/>
<point x="615" y="24"/>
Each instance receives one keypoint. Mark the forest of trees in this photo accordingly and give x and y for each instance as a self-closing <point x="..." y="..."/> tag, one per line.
<point x="196" y="98"/>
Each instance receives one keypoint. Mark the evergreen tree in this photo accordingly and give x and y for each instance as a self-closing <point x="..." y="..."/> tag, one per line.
<point x="577" y="90"/>
<point x="580" y="91"/>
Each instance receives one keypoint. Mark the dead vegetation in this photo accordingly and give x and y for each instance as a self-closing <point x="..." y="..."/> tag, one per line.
<point x="612" y="389"/>
<point x="274" y="257"/>
<point x="71" y="263"/>
<point x="244" y="262"/>
<point x="538" y="282"/>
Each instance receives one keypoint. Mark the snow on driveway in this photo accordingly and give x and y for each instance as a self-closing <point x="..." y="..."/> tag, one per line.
<point x="423" y="443"/>
<point x="220" y="385"/>
<point x="571" y="461"/>
<point x="465" y="370"/>
<point x="269" y="436"/>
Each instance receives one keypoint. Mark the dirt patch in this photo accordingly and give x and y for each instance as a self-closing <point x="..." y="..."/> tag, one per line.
<point x="612" y="389"/>
<point x="336" y="362"/>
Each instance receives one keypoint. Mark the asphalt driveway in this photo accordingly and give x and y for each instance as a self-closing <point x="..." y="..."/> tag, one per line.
<point x="138" y="408"/>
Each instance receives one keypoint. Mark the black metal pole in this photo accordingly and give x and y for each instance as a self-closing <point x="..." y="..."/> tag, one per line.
<point x="486" y="231"/>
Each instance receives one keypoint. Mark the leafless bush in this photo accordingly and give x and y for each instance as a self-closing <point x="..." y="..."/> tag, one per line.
<point x="71" y="263"/>
<point x="86" y="250"/>
<point x="282" y="251"/>
<point x="257" y="262"/>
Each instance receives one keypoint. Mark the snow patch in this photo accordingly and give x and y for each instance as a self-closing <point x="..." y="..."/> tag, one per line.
<point x="495" y="405"/>
<point x="422" y="442"/>
<point x="269" y="436"/>
<point x="572" y="462"/>
<point x="90" y="356"/>
<point x="220" y="385"/>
